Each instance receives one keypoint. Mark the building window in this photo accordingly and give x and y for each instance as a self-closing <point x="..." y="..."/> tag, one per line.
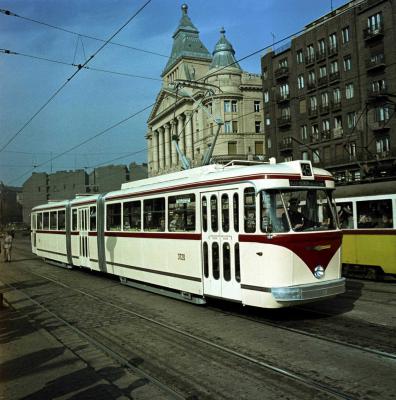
<point x="300" y="81"/>
<point x="258" y="148"/>
<point x="227" y="127"/>
<point x="383" y="145"/>
<point x="322" y="71"/>
<point x="337" y="95"/>
<point x="269" y="143"/>
<point x="257" y="126"/>
<point x="265" y="73"/>
<point x="288" y="158"/>
<point x="349" y="91"/>
<point x="311" y="77"/>
<point x="256" y="106"/>
<point x="378" y="86"/>
<point x="300" y="57"/>
<point x="334" y="67"/>
<point x="315" y="132"/>
<point x="227" y="106"/>
<point x="313" y="103"/>
<point x="266" y="96"/>
<point x="284" y="90"/>
<point x="337" y="132"/>
<point x="285" y="113"/>
<point x="351" y="149"/>
<point x="234" y="106"/>
<point x="267" y="121"/>
<point x="283" y="63"/>
<point x="315" y="156"/>
<point x="310" y="53"/>
<point x="303" y="132"/>
<point x="321" y="46"/>
<point x="326" y="125"/>
<point x="351" y="119"/>
<point x="234" y="126"/>
<point x="333" y="41"/>
<point x="382" y="114"/>
<point x="345" y="34"/>
<point x="325" y="99"/>
<point x="304" y="155"/>
<point x="232" y="148"/>
<point x="374" y="22"/>
<point x="347" y="63"/>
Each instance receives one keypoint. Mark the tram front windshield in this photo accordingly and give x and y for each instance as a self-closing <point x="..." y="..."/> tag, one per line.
<point x="297" y="210"/>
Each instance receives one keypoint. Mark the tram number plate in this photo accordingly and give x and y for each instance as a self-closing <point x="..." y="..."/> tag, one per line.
<point x="181" y="256"/>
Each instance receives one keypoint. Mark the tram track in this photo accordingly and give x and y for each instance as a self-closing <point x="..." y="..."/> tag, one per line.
<point x="290" y="375"/>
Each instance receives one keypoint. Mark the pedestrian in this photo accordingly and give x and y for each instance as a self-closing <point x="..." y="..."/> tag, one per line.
<point x="7" y="247"/>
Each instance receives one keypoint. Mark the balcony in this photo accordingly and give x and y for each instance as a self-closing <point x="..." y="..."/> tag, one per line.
<point x="282" y="97"/>
<point x="337" y="132"/>
<point x="373" y="33"/>
<point x="312" y="112"/>
<point x="334" y="76"/>
<point x="322" y="81"/>
<point x="326" y="135"/>
<point x="336" y="105"/>
<point x="333" y="50"/>
<point x="375" y="62"/>
<point x="284" y="121"/>
<point x="324" y="109"/>
<point x="309" y="59"/>
<point x="286" y="144"/>
<point x="379" y="93"/>
<point x="321" y="55"/>
<point x="282" y="72"/>
<point x="380" y="126"/>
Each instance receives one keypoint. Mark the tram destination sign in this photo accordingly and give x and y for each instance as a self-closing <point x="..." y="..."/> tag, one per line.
<point x="306" y="183"/>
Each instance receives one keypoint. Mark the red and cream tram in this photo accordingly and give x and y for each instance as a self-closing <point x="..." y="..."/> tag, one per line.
<point x="264" y="235"/>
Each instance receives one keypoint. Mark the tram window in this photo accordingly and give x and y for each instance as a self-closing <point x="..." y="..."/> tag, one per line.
<point x="225" y="213"/>
<point x="34" y="221"/>
<point x="204" y="214"/>
<point x="250" y="210"/>
<point x="92" y="218"/>
<point x="236" y="212"/>
<point x="154" y="214"/>
<point x="271" y="212"/>
<point x="132" y="216"/>
<point x="61" y="220"/>
<point x="345" y="215"/>
<point x="46" y="221"/>
<point x="181" y="213"/>
<point x="237" y="263"/>
<point x="74" y="219"/>
<point x="113" y="217"/>
<point x="214" y="220"/>
<point x="374" y="214"/>
<point x="206" y="260"/>
<point x="39" y="221"/>
<point x="215" y="260"/>
<point x="226" y="262"/>
<point x="53" y="221"/>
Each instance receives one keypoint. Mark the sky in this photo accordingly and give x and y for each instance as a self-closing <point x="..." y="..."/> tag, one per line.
<point x="102" y="105"/>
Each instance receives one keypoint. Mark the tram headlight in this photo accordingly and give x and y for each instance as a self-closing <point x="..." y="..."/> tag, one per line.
<point x="319" y="272"/>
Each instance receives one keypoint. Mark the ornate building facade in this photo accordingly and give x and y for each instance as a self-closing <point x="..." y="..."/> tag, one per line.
<point x="198" y="91"/>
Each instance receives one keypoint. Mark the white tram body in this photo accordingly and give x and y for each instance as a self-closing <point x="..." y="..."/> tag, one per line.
<point x="215" y="231"/>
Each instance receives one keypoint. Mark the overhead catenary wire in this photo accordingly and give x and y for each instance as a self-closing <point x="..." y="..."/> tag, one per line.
<point x="73" y="75"/>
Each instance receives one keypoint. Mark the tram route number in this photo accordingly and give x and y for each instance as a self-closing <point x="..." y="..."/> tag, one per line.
<point x="181" y="256"/>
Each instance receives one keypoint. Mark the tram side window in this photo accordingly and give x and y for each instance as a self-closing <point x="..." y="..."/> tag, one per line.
<point x="204" y="214"/>
<point x="132" y="216"/>
<point x="61" y="220"/>
<point x="250" y="210"/>
<point x="374" y="214"/>
<point x="113" y="217"/>
<point x="92" y="218"/>
<point x="46" y="221"/>
<point x="154" y="215"/>
<point x="214" y="220"/>
<point x="225" y="213"/>
<point x="237" y="263"/>
<point x="345" y="215"/>
<point x="181" y="213"/>
<point x="236" y="212"/>
<point x="74" y="219"/>
<point x="39" y="221"/>
<point x="33" y="222"/>
<point x="53" y="221"/>
<point x="271" y="211"/>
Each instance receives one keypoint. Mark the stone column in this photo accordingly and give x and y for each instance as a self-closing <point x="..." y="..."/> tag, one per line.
<point x="155" y="151"/>
<point x="175" y="159"/>
<point x="167" y="140"/>
<point x="189" y="135"/>
<point x="180" y="133"/>
<point x="161" y="152"/>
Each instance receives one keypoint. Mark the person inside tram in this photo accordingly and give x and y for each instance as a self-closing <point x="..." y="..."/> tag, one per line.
<point x="296" y="218"/>
<point x="176" y="223"/>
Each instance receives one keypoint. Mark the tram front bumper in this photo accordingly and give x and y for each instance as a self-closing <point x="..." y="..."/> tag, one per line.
<point x="309" y="291"/>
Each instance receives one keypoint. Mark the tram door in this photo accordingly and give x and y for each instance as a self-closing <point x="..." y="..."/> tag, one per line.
<point x="220" y="247"/>
<point x="83" y="218"/>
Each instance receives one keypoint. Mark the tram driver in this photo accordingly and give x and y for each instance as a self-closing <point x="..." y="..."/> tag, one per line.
<point x="296" y="218"/>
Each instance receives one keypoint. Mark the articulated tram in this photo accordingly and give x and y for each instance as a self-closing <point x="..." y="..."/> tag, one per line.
<point x="265" y="235"/>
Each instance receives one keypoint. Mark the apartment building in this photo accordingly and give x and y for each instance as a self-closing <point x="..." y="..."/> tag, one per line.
<point x="330" y="94"/>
